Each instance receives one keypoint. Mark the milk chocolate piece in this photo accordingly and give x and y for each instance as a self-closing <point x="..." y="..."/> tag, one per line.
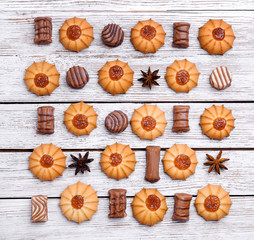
<point x="112" y="35"/>
<point x="152" y="163"/>
<point x="220" y="78"/>
<point x="45" y="120"/>
<point x="77" y="77"/>
<point x="182" y="206"/>
<point x="181" y="35"/>
<point x="39" y="208"/>
<point x="117" y="203"/>
<point x="116" y="122"/>
<point x="181" y="121"/>
<point x="43" y="30"/>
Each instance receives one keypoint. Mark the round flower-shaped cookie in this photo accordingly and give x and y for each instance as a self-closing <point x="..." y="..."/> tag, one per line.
<point x="147" y="36"/>
<point x="216" y="37"/>
<point x="182" y="76"/>
<point x="180" y="161"/>
<point x="118" y="161"/>
<point x="79" y="202"/>
<point x="148" y="122"/>
<point x="76" y="34"/>
<point x="217" y="122"/>
<point x="47" y="162"/>
<point x="42" y="78"/>
<point x="213" y="202"/>
<point x="116" y="77"/>
<point x="149" y="206"/>
<point x="80" y="118"/>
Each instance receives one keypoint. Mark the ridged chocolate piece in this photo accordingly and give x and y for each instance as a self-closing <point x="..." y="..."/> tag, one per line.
<point x="220" y="78"/>
<point x="117" y="203"/>
<point x="181" y="35"/>
<point x="182" y="206"/>
<point x="152" y="163"/>
<point x="112" y="35"/>
<point x="77" y="77"/>
<point x="116" y="122"/>
<point x="43" y="30"/>
<point x="45" y="120"/>
<point x="181" y="119"/>
<point x="39" y="208"/>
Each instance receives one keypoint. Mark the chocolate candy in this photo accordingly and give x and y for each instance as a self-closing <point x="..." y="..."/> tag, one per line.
<point x="182" y="206"/>
<point x="181" y="35"/>
<point x="39" y="208"/>
<point x="77" y="77"/>
<point x="220" y="78"/>
<point x="117" y="203"/>
<point x="152" y="163"/>
<point x="181" y="121"/>
<point x="43" y="30"/>
<point x="112" y="35"/>
<point x="45" y="120"/>
<point x="116" y="122"/>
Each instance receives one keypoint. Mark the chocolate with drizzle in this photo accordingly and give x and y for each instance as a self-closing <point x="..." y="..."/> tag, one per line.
<point x="77" y="77"/>
<point x="45" y="120"/>
<point x="181" y="35"/>
<point x="43" y="30"/>
<point x="112" y="35"/>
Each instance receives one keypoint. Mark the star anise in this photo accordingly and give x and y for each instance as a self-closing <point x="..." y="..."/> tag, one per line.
<point x="80" y="163"/>
<point x="216" y="163"/>
<point x="149" y="78"/>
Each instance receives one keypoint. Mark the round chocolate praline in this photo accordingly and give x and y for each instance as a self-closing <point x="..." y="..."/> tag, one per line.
<point x="112" y="35"/>
<point x="77" y="77"/>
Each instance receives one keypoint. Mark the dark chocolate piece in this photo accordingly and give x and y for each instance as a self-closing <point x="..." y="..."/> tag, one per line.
<point x="77" y="77"/>
<point x="45" y="120"/>
<point x="39" y="208"/>
<point x="182" y="206"/>
<point x="181" y="119"/>
<point x="43" y="30"/>
<point x="117" y="203"/>
<point x="112" y="35"/>
<point x="181" y="35"/>
<point x="152" y="163"/>
<point x="116" y="122"/>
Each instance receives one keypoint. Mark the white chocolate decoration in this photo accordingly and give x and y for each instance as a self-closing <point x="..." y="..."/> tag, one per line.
<point x="220" y="78"/>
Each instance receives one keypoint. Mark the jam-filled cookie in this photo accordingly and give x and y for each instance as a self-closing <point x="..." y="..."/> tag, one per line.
<point x="182" y="75"/>
<point x="116" y="77"/>
<point x="80" y="118"/>
<point x="47" y="162"/>
<point x="147" y="36"/>
<point x="216" y="36"/>
<point x="149" y="206"/>
<point x="148" y="122"/>
<point x="213" y="202"/>
<point x="76" y="34"/>
<point x="217" y="122"/>
<point x="118" y="161"/>
<point x="180" y="161"/>
<point x="79" y="202"/>
<point x="42" y="78"/>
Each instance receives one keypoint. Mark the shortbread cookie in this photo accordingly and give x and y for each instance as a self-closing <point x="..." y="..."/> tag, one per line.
<point x="147" y="36"/>
<point x="42" y="78"/>
<point x="149" y="206"/>
<point x="148" y="122"/>
<point x="220" y="78"/>
<point x="80" y="118"/>
<point x="76" y="34"/>
<point x="116" y="77"/>
<point x="47" y="162"/>
<point x="217" y="122"/>
<point x="118" y="161"/>
<point x="213" y="202"/>
<point x="180" y="161"/>
<point x="79" y="202"/>
<point x="216" y="37"/>
<point x="182" y="76"/>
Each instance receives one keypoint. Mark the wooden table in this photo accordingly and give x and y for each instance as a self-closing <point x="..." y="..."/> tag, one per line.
<point x="18" y="111"/>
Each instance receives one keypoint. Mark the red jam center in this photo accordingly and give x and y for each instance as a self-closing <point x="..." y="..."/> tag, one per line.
<point x="153" y="203"/>
<point x="116" y="159"/>
<point x="148" y="32"/>
<point x="182" y="162"/>
<point x="73" y="32"/>
<point x="148" y="123"/>
<point x="182" y="77"/>
<point x="115" y="73"/>
<point x="41" y="80"/>
<point x="218" y="34"/>
<point x="219" y="124"/>
<point x="212" y="203"/>
<point x="46" y="161"/>
<point x="80" y="121"/>
<point x="77" y="201"/>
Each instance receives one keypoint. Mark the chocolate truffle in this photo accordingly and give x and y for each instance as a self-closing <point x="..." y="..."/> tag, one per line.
<point x="112" y="35"/>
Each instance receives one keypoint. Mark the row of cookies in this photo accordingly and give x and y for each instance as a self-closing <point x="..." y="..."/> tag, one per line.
<point x="76" y="34"/>
<point x="79" y="202"/>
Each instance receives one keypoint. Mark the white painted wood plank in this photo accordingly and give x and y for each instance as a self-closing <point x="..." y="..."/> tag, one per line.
<point x="18" y="181"/>
<point x="15" y="223"/>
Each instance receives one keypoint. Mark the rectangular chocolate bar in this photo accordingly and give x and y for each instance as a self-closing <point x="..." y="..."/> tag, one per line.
<point x="181" y="35"/>
<point x="43" y="30"/>
<point x="182" y="206"/>
<point x="45" y="120"/>
<point x="152" y="163"/>
<point x="39" y="208"/>
<point x="117" y="203"/>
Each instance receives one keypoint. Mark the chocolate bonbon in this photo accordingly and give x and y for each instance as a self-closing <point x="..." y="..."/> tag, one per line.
<point x="77" y="77"/>
<point x="112" y="35"/>
<point x="220" y="78"/>
<point x="43" y="30"/>
<point x="116" y="121"/>
<point x="182" y="206"/>
<point x="181" y="119"/>
<point x="181" y="34"/>
<point x="45" y="120"/>
<point x="152" y="163"/>
<point x="117" y="203"/>
<point x="39" y="209"/>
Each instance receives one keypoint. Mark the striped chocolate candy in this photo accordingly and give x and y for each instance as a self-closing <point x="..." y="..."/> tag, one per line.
<point x="116" y="122"/>
<point x="112" y="35"/>
<point x="77" y="77"/>
<point x="39" y="208"/>
<point x="220" y="78"/>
